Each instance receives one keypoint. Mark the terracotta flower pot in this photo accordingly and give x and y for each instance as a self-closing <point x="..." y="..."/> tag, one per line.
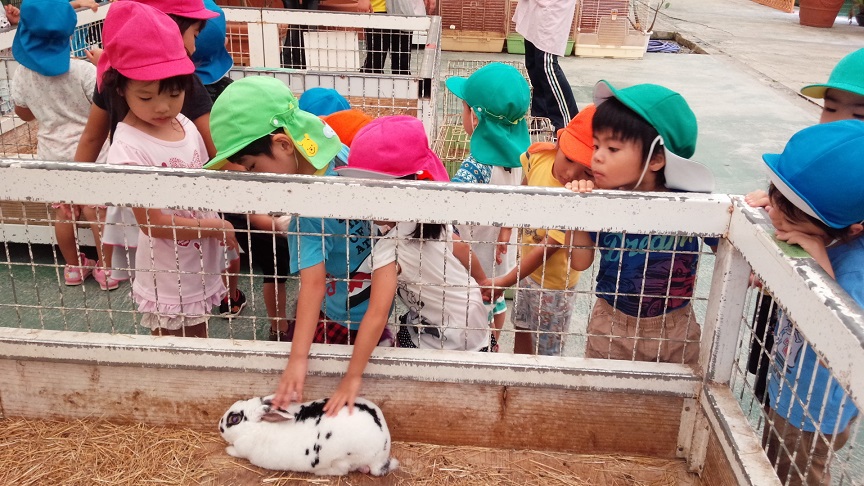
<point x="818" y="13"/>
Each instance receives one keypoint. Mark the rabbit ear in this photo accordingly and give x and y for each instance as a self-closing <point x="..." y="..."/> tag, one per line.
<point x="276" y="415"/>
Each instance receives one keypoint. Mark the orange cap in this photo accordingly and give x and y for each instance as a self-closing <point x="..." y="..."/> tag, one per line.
<point x="347" y="123"/>
<point x="576" y="140"/>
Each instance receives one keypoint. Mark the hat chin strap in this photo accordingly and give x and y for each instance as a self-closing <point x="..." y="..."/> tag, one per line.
<point x="657" y="139"/>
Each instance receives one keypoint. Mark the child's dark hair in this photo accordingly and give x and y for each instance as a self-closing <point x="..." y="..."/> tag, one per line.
<point x="628" y="126"/>
<point x="261" y="146"/>
<point x="428" y="231"/>
<point x="185" y="22"/>
<point x="114" y="85"/>
<point x="794" y="214"/>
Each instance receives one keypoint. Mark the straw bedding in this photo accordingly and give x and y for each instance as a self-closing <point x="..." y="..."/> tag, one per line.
<point x="89" y="452"/>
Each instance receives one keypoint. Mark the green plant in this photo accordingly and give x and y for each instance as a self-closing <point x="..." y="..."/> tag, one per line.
<point x="638" y="23"/>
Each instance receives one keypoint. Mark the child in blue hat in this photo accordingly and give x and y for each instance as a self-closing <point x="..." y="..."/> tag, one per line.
<point x="816" y="202"/>
<point x="212" y="60"/>
<point x="55" y="89"/>
<point x="644" y="136"/>
<point x="843" y="99"/>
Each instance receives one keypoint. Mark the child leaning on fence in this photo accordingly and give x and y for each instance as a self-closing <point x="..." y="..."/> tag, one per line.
<point x="843" y="96"/>
<point x="643" y="137"/>
<point x="257" y="124"/>
<point x="258" y="127"/>
<point x="429" y="263"/>
<point x="54" y="89"/>
<point x="181" y="254"/>
<point x="816" y="202"/>
<point x="544" y="300"/>
<point x="495" y="99"/>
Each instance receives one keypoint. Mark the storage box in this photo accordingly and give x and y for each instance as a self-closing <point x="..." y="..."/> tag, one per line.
<point x="472" y="41"/>
<point x="516" y="45"/>
<point x="634" y="49"/>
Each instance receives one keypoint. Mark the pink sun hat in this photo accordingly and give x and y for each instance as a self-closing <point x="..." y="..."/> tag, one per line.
<point x="191" y="9"/>
<point x="393" y="147"/>
<point x="142" y="43"/>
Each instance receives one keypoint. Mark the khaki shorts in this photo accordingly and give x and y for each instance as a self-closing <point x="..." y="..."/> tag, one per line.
<point x="810" y="452"/>
<point x="668" y="338"/>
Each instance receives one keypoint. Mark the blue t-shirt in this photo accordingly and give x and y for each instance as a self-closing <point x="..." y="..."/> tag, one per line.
<point x="801" y="371"/>
<point x="345" y="248"/>
<point x="647" y="275"/>
<point x="473" y="172"/>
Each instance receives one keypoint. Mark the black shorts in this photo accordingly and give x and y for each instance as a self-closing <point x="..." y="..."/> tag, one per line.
<point x="268" y="254"/>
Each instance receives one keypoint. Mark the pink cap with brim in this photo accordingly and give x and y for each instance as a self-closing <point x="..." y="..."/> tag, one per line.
<point x="142" y="43"/>
<point x="393" y="147"/>
<point x="191" y="9"/>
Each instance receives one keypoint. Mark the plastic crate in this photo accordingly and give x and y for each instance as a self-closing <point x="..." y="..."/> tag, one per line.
<point x="471" y="41"/>
<point x="474" y="15"/>
<point x="516" y="45"/>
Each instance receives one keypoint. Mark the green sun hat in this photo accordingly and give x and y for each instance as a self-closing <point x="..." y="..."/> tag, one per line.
<point x="253" y="107"/>
<point x="847" y="75"/>
<point x="671" y="116"/>
<point x="500" y="97"/>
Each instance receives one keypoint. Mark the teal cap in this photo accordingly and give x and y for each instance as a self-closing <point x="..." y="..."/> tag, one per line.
<point x="255" y="106"/>
<point x="847" y="75"/>
<point x="671" y="116"/>
<point x="500" y="97"/>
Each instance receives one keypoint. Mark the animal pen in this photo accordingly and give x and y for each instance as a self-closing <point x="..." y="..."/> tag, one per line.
<point x="70" y="353"/>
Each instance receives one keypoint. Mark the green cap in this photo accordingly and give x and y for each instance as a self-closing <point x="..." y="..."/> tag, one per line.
<point x="671" y="116"/>
<point x="500" y="97"/>
<point x="847" y="75"/>
<point x="255" y="106"/>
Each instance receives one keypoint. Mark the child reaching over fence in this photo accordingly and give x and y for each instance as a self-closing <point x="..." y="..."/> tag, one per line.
<point x="495" y="100"/>
<point x="445" y="306"/>
<point x="56" y="90"/>
<point x="544" y="300"/>
<point x="816" y="202"/>
<point x="146" y="71"/>
<point x="643" y="137"/>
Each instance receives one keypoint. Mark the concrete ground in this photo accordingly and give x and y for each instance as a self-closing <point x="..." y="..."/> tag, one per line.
<point x="744" y="89"/>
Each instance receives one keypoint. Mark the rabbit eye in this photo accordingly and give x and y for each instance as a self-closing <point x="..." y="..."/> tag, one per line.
<point x="234" y="418"/>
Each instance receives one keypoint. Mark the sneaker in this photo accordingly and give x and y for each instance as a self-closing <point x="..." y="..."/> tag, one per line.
<point x="232" y="307"/>
<point x="106" y="282"/>
<point x="77" y="275"/>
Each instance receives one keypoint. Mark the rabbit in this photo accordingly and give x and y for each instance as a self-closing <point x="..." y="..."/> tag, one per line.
<point x="303" y="438"/>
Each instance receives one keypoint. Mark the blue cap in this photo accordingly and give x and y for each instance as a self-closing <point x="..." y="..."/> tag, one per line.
<point x="212" y="61"/>
<point x="323" y="101"/>
<point x="42" y="39"/>
<point x="821" y="173"/>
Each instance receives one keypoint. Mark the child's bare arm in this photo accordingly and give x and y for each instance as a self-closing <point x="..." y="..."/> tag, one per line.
<point x="468" y="258"/>
<point x="312" y="288"/>
<point x="757" y="199"/>
<point x="24" y="113"/>
<point x="202" y="123"/>
<point x="581" y="251"/>
<point x="157" y="224"/>
<point x="501" y="248"/>
<point x="530" y="261"/>
<point x="812" y="244"/>
<point x="368" y="335"/>
<point x="94" y="135"/>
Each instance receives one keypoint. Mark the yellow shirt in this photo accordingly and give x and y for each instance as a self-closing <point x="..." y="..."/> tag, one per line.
<point x="379" y="5"/>
<point x="555" y="273"/>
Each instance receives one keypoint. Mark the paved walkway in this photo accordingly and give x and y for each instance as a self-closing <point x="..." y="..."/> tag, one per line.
<point x="744" y="90"/>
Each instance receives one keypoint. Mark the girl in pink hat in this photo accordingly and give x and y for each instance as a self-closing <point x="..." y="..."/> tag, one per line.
<point x="181" y="254"/>
<point x="445" y="306"/>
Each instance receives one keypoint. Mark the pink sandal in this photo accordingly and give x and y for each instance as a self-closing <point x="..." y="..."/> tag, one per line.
<point x="106" y="282"/>
<point x="75" y="275"/>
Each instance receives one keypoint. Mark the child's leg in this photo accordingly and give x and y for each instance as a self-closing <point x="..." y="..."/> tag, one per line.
<point x="499" y="313"/>
<point x="275" y="301"/>
<point x="678" y="333"/>
<point x="545" y="312"/>
<point x="810" y="452"/>
<point x="102" y="272"/>
<point x="78" y="267"/>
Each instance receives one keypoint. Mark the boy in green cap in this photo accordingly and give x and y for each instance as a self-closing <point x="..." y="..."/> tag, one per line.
<point x="257" y="123"/>
<point x="643" y="138"/>
<point x="843" y="97"/>
<point x="494" y="102"/>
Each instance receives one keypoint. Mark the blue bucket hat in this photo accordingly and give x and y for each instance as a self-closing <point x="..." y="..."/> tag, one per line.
<point x="212" y="60"/>
<point x="821" y="173"/>
<point x="42" y="39"/>
<point x="323" y="101"/>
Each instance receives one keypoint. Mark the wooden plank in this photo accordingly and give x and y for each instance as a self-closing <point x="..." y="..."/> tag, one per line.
<point x="521" y="417"/>
<point x="718" y="468"/>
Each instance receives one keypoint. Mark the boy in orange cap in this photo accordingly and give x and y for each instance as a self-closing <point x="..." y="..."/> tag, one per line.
<point x="542" y="312"/>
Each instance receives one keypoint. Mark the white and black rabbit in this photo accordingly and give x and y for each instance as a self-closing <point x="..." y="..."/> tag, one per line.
<point x="303" y="438"/>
